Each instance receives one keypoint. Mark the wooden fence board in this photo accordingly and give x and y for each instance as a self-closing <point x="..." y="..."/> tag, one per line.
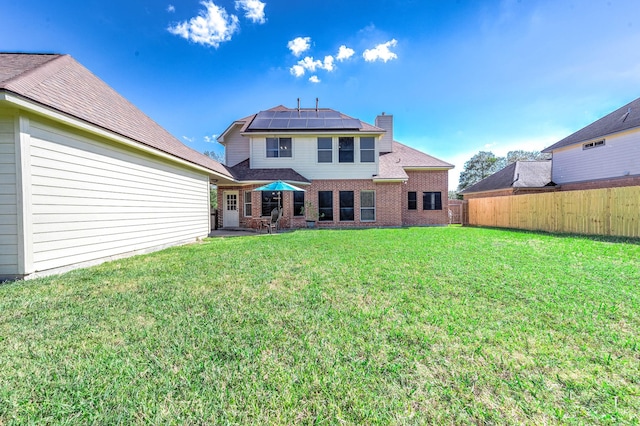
<point x="608" y="211"/>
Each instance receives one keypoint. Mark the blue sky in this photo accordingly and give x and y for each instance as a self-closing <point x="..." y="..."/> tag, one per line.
<point x="458" y="76"/>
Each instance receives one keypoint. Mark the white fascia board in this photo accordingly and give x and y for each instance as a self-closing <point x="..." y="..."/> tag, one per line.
<point x="39" y="109"/>
<point x="220" y="138"/>
<point x="428" y="168"/>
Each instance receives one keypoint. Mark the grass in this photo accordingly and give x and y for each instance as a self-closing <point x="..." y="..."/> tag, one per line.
<point x="382" y="326"/>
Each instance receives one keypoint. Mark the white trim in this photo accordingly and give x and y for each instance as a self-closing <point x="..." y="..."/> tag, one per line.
<point x="23" y="195"/>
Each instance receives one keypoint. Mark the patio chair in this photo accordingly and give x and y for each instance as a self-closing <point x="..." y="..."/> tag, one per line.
<point x="274" y="223"/>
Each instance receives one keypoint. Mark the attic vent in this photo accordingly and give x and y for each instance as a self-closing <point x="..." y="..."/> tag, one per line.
<point x="590" y="145"/>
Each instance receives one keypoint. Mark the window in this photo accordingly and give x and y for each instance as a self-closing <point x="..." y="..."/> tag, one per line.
<point x="278" y="147"/>
<point x="412" y="200"/>
<point x="431" y="201"/>
<point x="345" y="152"/>
<point x="247" y="203"/>
<point x="298" y="203"/>
<point x="325" y="205"/>
<point x="325" y="150"/>
<point x="367" y="206"/>
<point x="367" y="150"/>
<point x="346" y="206"/>
<point x="590" y="145"/>
<point x="270" y="201"/>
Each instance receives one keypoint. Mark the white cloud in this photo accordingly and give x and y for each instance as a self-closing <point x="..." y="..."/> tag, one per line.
<point x="254" y="10"/>
<point x="311" y="65"/>
<point x="211" y="139"/>
<point x="328" y="63"/>
<point x="297" y="70"/>
<point x="344" y="53"/>
<point x="171" y="8"/>
<point x="381" y="52"/>
<point x="299" y="45"/>
<point x="188" y="139"/>
<point x="314" y="79"/>
<point x="211" y="27"/>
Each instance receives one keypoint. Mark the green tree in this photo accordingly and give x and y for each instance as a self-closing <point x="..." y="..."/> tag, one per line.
<point x="481" y="165"/>
<point x="521" y="155"/>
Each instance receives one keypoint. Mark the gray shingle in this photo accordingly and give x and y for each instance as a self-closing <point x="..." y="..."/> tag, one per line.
<point x="624" y="118"/>
<point x="61" y="83"/>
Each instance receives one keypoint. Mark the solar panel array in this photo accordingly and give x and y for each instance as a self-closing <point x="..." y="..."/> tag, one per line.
<point x="303" y="120"/>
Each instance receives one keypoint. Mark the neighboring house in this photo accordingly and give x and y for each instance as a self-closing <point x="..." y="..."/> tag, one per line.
<point x="353" y="173"/>
<point x="85" y="176"/>
<point x="519" y="177"/>
<point x="606" y="153"/>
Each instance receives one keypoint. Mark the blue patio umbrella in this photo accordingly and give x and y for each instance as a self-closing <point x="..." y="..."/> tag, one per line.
<point x="277" y="186"/>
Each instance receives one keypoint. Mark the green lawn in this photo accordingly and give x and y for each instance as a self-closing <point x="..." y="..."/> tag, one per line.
<point x="403" y="326"/>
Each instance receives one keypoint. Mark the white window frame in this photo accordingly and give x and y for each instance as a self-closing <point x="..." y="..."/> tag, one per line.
<point x="368" y="207"/>
<point x="247" y="204"/>
<point x="279" y="145"/>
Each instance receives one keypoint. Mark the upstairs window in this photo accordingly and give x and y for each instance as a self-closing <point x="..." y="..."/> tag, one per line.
<point x="278" y="147"/>
<point x="345" y="149"/>
<point x="432" y="201"/>
<point x="367" y="150"/>
<point x="325" y="150"/>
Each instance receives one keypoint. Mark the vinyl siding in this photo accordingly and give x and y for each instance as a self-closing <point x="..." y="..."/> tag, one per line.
<point x="8" y="200"/>
<point x="618" y="156"/>
<point x="92" y="200"/>
<point x="304" y="159"/>
<point x="236" y="147"/>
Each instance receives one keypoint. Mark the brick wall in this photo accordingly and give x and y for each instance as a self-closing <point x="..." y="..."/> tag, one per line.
<point x="426" y="181"/>
<point x="391" y="202"/>
<point x="601" y="183"/>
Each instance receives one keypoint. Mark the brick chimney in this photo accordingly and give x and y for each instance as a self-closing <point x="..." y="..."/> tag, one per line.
<point x="385" y="122"/>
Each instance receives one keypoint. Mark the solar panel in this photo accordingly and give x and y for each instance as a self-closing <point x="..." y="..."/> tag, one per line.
<point x="279" y="123"/>
<point x="302" y="119"/>
<point x="333" y="123"/>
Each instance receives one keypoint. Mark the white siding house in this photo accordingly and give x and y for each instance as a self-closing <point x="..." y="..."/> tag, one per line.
<point x="604" y="153"/>
<point x="84" y="182"/>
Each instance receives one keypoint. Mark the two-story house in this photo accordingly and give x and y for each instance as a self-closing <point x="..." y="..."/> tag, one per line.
<point x="354" y="173"/>
<point x="606" y="153"/>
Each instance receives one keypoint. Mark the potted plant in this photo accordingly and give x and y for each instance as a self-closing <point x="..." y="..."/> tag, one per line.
<point x="310" y="214"/>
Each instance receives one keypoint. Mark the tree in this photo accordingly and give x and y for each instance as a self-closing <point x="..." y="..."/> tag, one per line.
<point x="480" y="166"/>
<point x="521" y="155"/>
<point x="215" y="156"/>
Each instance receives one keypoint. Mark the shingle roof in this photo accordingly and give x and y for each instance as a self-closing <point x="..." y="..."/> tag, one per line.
<point x="624" y="118"/>
<point x="364" y="128"/>
<point x="519" y="174"/>
<point x="243" y="172"/>
<point x="61" y="83"/>
<point x="394" y="163"/>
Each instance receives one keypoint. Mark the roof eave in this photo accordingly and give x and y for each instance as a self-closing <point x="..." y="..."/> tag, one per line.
<point x="24" y="103"/>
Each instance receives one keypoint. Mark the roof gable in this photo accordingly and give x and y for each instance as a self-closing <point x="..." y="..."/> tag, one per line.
<point x="61" y="83"/>
<point x="393" y="164"/>
<point x="624" y="118"/>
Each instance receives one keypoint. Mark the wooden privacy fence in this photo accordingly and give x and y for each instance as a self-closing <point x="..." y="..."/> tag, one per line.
<point x="609" y="211"/>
